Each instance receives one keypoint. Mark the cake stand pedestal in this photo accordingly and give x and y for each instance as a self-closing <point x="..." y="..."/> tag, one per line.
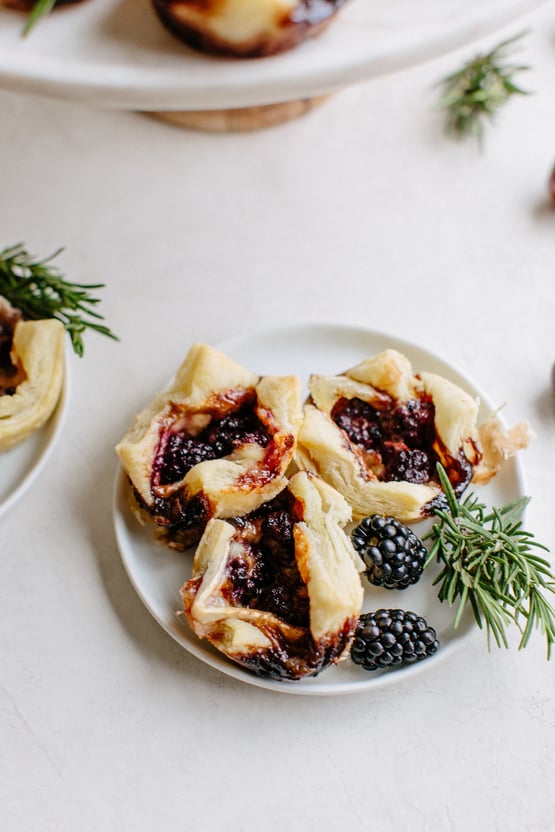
<point x="240" y="119"/>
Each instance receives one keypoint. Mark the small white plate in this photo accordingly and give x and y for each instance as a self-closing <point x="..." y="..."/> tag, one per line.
<point x="20" y="466"/>
<point x="157" y="572"/>
<point x="115" y="53"/>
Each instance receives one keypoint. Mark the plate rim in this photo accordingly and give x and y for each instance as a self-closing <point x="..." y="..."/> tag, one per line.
<point x="310" y="686"/>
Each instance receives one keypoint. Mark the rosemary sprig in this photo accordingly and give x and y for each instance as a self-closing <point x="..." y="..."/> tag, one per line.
<point x="41" y="8"/>
<point x="478" y="90"/>
<point x="488" y="561"/>
<point x="39" y="290"/>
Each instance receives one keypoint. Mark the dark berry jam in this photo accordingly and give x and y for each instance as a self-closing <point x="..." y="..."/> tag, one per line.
<point x="183" y="520"/>
<point x="413" y="421"/>
<point x="180" y="513"/>
<point x="8" y="371"/>
<point x="265" y="575"/>
<point x="404" y="464"/>
<point x="402" y="435"/>
<point x="360" y="421"/>
<point x="399" y="441"/>
<point x="179" y="450"/>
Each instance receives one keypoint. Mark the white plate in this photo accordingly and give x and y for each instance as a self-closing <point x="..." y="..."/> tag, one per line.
<point x="115" y="53"/>
<point x="158" y="573"/>
<point x="20" y="466"/>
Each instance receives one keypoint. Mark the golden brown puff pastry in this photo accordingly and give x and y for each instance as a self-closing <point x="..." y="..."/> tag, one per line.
<point x="376" y="433"/>
<point x="246" y="28"/>
<point x="31" y="381"/>
<point x="279" y="591"/>
<point x="217" y="443"/>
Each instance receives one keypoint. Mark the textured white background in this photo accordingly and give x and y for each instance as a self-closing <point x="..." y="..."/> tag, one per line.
<point x="364" y="213"/>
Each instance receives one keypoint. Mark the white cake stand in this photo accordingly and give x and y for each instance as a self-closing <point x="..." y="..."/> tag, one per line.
<point x="115" y="53"/>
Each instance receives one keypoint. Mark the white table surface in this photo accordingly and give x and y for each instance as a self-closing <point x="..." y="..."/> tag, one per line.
<point x="364" y="213"/>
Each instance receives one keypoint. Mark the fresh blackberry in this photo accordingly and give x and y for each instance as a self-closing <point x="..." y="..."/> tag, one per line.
<point x="393" y="555"/>
<point x="390" y="638"/>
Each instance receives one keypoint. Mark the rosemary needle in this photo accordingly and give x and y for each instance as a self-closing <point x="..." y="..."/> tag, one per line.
<point x="41" y="8"/>
<point x="489" y="562"/>
<point x="39" y="290"/>
<point x="478" y="90"/>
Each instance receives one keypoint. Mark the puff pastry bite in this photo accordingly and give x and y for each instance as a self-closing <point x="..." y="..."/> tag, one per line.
<point x="246" y="28"/>
<point x="376" y="433"/>
<point x="31" y="373"/>
<point x="279" y="591"/>
<point x="217" y="443"/>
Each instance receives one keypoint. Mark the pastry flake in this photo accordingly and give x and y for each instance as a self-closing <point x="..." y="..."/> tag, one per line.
<point x="498" y="445"/>
<point x="279" y="591"/>
<point x="217" y="443"/>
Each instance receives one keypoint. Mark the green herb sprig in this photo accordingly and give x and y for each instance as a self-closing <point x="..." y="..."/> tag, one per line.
<point x="40" y="9"/>
<point x="39" y="290"/>
<point x="488" y="562"/>
<point x="476" y="92"/>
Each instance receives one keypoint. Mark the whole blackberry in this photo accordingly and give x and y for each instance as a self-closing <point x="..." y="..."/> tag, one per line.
<point x="393" y="555"/>
<point x="390" y="638"/>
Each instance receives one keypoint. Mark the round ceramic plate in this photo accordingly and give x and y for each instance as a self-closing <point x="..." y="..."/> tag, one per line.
<point x="158" y="572"/>
<point x="20" y="466"/>
<point x="115" y="53"/>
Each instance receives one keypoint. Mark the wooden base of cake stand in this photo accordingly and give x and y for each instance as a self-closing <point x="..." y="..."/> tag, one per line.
<point x="240" y="119"/>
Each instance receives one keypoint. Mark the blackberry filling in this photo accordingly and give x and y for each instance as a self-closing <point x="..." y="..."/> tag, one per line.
<point x="9" y="373"/>
<point x="230" y="424"/>
<point x="413" y="421"/>
<point x="402" y="435"/>
<point x="400" y="441"/>
<point x="179" y="451"/>
<point x="404" y="464"/>
<point x="186" y="517"/>
<point x="264" y="575"/>
<point x="360" y="421"/>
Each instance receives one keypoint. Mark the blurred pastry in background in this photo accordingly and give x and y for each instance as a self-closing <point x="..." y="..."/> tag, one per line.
<point x="31" y="373"/>
<point x="246" y="28"/>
